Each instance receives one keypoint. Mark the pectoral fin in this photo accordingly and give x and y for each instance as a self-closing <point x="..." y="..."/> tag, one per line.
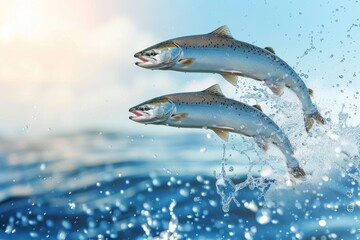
<point x="179" y="116"/>
<point x="187" y="61"/>
<point x="231" y="78"/>
<point x="223" y="134"/>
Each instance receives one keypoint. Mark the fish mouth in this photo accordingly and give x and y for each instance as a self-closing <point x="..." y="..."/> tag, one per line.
<point x="138" y="116"/>
<point x="146" y="62"/>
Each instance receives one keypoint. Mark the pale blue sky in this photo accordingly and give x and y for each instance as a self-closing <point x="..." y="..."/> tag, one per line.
<point x="68" y="66"/>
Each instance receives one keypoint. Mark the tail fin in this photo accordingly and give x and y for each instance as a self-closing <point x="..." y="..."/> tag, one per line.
<point x="297" y="172"/>
<point x="311" y="118"/>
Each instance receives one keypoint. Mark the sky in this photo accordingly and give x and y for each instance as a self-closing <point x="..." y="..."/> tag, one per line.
<point x="68" y="66"/>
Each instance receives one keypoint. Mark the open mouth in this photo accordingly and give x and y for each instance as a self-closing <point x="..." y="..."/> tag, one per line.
<point x="145" y="61"/>
<point x="138" y="115"/>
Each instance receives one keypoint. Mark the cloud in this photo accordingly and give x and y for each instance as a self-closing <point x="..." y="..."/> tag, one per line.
<point x="71" y="79"/>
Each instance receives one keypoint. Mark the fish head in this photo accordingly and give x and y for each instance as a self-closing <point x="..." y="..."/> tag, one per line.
<point x="154" y="111"/>
<point x="160" y="56"/>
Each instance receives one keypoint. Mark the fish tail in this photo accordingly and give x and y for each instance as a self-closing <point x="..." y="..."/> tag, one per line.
<point x="311" y="118"/>
<point x="297" y="172"/>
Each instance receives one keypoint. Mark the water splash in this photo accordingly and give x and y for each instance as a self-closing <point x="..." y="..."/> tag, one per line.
<point x="226" y="189"/>
<point x="330" y="149"/>
<point x="171" y="232"/>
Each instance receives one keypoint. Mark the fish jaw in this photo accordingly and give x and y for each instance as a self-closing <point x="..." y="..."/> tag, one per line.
<point x="139" y="116"/>
<point x="146" y="61"/>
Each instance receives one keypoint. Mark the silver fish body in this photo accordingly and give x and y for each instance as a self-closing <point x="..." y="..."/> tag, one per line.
<point x="218" y="52"/>
<point x="210" y="109"/>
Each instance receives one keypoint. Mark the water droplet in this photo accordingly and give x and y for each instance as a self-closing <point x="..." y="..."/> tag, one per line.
<point x="66" y="224"/>
<point x="231" y="168"/>
<point x="263" y="216"/>
<point x="203" y="149"/>
<point x="338" y="150"/>
<point x="225" y="208"/>
<point x="173" y="224"/>
<point x="72" y="205"/>
<point x="197" y="199"/>
<point x="184" y="192"/>
<point x="8" y="229"/>
<point x="42" y="166"/>
<point x="350" y="207"/>
<point x="322" y="223"/>
<point x="34" y="234"/>
<point x="146" y="229"/>
<point x="61" y="235"/>
<point x="172" y="205"/>
<point x="154" y="156"/>
<point x="349" y="194"/>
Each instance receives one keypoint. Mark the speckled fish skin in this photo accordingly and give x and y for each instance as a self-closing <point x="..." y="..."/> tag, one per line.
<point x="219" y="52"/>
<point x="212" y="110"/>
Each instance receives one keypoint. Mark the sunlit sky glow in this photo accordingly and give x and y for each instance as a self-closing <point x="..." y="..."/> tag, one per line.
<point x="68" y="65"/>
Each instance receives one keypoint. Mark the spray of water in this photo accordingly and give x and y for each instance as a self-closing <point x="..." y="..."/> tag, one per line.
<point x="329" y="149"/>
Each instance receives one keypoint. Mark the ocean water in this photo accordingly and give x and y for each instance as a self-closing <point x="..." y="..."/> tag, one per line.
<point x="115" y="185"/>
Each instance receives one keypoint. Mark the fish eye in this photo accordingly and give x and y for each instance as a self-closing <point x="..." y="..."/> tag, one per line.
<point x="146" y="108"/>
<point x="151" y="54"/>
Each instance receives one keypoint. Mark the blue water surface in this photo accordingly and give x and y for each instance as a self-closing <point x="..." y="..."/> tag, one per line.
<point x="96" y="185"/>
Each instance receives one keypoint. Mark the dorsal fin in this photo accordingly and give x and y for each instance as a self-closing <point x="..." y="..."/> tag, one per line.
<point x="222" y="31"/>
<point x="215" y="90"/>
<point x="270" y="49"/>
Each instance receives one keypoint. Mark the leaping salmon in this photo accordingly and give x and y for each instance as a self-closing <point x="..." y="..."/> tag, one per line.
<point x="212" y="110"/>
<point x="219" y="52"/>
